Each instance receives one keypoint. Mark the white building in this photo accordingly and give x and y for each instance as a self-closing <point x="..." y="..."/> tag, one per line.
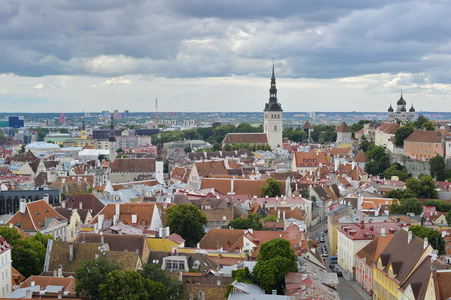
<point x="5" y="268"/>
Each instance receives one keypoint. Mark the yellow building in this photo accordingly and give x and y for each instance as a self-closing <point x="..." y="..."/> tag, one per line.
<point x="336" y="219"/>
<point x="397" y="263"/>
<point x="440" y="222"/>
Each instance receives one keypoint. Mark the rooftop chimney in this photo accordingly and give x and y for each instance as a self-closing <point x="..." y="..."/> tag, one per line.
<point x="409" y="237"/>
<point x="382" y="232"/>
<point x="80" y="205"/>
<point x="22" y="206"/>
<point x="425" y="243"/>
<point x="60" y="271"/>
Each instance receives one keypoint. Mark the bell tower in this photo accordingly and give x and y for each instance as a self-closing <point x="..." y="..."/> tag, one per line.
<point x="272" y="120"/>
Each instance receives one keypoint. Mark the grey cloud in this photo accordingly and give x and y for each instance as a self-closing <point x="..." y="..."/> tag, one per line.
<point x="313" y="39"/>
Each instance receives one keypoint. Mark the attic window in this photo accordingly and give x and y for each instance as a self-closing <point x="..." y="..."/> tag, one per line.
<point x="37" y="213"/>
<point x="46" y="210"/>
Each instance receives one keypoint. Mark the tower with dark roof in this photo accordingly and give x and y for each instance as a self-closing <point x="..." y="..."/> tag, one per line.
<point x="112" y="142"/>
<point x="401" y="112"/>
<point x="272" y="120"/>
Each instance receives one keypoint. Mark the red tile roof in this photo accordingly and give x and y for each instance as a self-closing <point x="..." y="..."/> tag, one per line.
<point x="344" y="128"/>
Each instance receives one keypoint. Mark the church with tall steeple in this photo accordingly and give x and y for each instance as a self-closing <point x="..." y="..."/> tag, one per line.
<point x="401" y="112"/>
<point x="272" y="120"/>
<point x="112" y="142"/>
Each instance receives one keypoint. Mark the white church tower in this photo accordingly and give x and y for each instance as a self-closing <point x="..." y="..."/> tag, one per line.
<point x="159" y="162"/>
<point x="112" y="142"/>
<point x="272" y="120"/>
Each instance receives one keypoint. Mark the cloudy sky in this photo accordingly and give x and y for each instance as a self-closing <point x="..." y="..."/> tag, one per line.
<point x="70" y="56"/>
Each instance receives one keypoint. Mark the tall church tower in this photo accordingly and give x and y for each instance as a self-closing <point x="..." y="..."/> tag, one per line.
<point x="272" y="120"/>
<point x="112" y="142"/>
<point x="159" y="162"/>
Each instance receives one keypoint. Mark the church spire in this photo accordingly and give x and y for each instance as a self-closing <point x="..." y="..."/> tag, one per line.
<point x="112" y="136"/>
<point x="273" y="105"/>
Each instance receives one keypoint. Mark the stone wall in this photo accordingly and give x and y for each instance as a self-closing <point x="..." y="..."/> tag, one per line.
<point x="418" y="168"/>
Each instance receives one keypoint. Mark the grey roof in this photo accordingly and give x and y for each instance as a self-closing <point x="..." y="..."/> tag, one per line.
<point x="22" y="292"/>
<point x="54" y="288"/>
<point x="248" y="288"/>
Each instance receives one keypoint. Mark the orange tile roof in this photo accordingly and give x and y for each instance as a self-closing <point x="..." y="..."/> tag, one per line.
<point x="344" y="128"/>
<point x="34" y="217"/>
<point x="207" y="168"/>
<point x="427" y="136"/>
<point x="220" y="238"/>
<point x="310" y="159"/>
<point x="143" y="211"/>
<point x="250" y="138"/>
<point x="361" y="157"/>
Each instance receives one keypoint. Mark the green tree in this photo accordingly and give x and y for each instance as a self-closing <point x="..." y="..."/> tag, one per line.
<point x="448" y="218"/>
<point x="187" y="221"/>
<point x="402" y="132"/>
<point x="297" y="136"/>
<point x="305" y="193"/>
<point x="272" y="188"/>
<point x="28" y="253"/>
<point x="22" y="149"/>
<point x="372" y="167"/>
<point x="252" y="221"/>
<point x="424" y="187"/>
<point x="438" y="167"/>
<point x="434" y="237"/>
<point x="365" y="145"/>
<point x="377" y="153"/>
<point x="216" y="147"/>
<point x="119" y="150"/>
<point x="396" y="170"/>
<point x="205" y="132"/>
<point x="129" y="285"/>
<point x="428" y="125"/>
<point x="174" y="288"/>
<point x="275" y="260"/>
<point x="418" y="123"/>
<point x="91" y="274"/>
<point x="187" y="149"/>
<point x="270" y="218"/>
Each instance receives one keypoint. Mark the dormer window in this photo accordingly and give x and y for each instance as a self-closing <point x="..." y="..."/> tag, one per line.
<point x="37" y="213"/>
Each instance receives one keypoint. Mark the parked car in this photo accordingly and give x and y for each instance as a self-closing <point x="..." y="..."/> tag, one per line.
<point x="335" y="269"/>
<point x="331" y="266"/>
<point x="321" y="239"/>
<point x="339" y="273"/>
<point x="325" y="254"/>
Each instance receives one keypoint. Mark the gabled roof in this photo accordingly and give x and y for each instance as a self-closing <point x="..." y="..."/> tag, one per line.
<point x="310" y="159"/>
<point x="361" y="157"/>
<point x="220" y="238"/>
<point x="426" y="136"/>
<point x="66" y="283"/>
<point x="442" y="278"/>
<point x="418" y="280"/>
<point x="250" y="138"/>
<point x="87" y="200"/>
<point x="116" y="242"/>
<point x="87" y="251"/>
<point x="344" y="128"/>
<point x="133" y="165"/>
<point x="207" y="168"/>
<point x="388" y="128"/>
<point x="307" y="125"/>
<point x="143" y="212"/>
<point x="396" y="250"/>
<point x="36" y="215"/>
<point x="374" y="249"/>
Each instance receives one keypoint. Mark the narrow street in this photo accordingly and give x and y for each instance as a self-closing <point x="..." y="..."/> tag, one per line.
<point x="347" y="290"/>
